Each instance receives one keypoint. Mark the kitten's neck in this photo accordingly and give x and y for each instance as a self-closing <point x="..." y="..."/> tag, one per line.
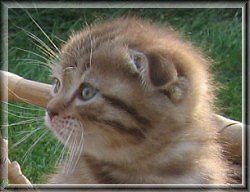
<point x="158" y="164"/>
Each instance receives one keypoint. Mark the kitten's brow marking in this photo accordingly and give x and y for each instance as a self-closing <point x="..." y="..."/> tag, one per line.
<point x="76" y="93"/>
<point x="69" y="69"/>
<point x="117" y="103"/>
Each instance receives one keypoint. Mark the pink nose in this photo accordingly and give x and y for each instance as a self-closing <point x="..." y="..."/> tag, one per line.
<point x="51" y="113"/>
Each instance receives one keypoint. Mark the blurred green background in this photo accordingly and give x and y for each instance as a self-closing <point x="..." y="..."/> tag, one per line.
<point x="217" y="32"/>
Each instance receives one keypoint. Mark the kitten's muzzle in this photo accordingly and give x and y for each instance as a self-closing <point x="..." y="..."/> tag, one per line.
<point x="51" y="113"/>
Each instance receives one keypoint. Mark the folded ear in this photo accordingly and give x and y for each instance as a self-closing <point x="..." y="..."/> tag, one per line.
<point x="176" y="91"/>
<point x="153" y="67"/>
<point x="159" y="72"/>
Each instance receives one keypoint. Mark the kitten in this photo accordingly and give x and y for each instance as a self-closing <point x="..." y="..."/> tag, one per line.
<point x="133" y="104"/>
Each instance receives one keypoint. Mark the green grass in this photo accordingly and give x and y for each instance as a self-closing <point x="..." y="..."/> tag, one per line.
<point x="217" y="32"/>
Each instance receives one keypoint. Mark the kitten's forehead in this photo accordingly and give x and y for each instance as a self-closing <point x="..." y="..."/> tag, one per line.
<point x="88" y="48"/>
<point x="104" y="48"/>
<point x="108" y="57"/>
<point x="71" y="74"/>
<point x="60" y="70"/>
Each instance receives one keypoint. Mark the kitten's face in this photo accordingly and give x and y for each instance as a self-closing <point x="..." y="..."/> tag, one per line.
<point x="115" y="85"/>
<point x="105" y="104"/>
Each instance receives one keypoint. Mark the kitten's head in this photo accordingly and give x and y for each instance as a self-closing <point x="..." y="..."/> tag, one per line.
<point x="123" y="85"/>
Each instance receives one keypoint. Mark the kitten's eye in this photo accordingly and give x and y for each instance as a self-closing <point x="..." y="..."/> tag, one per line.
<point x="56" y="85"/>
<point x="138" y="61"/>
<point x="88" y="92"/>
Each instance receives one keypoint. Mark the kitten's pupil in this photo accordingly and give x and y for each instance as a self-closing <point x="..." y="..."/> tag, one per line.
<point x="88" y="92"/>
<point x="137" y="61"/>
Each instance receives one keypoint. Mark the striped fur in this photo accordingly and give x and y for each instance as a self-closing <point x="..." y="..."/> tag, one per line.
<point x="150" y="120"/>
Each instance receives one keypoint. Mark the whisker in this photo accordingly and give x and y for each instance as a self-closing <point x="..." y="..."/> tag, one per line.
<point x="25" y="132"/>
<point x="45" y="52"/>
<point x="39" y="27"/>
<point x="31" y="52"/>
<point x="22" y="122"/>
<point x="64" y="148"/>
<point x="26" y="137"/>
<point x="37" y="39"/>
<point x="76" y="153"/>
<point x="36" y="63"/>
<point x="71" y="157"/>
<point x="20" y="116"/>
<point x="52" y="139"/>
<point x="63" y="41"/>
<point x="58" y="145"/>
<point x="91" y="43"/>
<point x="22" y="99"/>
<point x="44" y="45"/>
<point x="21" y="107"/>
<point x="33" y="145"/>
<point x="32" y="60"/>
<point x="20" y="111"/>
<point x="79" y="150"/>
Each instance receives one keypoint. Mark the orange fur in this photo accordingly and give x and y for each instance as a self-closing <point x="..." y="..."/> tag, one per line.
<point x="149" y="121"/>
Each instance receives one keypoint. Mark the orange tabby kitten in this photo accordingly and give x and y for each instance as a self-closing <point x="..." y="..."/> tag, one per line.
<point x="132" y="102"/>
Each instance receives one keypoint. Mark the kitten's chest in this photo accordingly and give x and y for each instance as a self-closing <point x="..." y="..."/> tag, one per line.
<point x="100" y="172"/>
<point x="104" y="173"/>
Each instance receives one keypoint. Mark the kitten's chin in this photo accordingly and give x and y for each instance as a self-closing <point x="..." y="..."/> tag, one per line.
<point x="47" y="121"/>
<point x="49" y="125"/>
